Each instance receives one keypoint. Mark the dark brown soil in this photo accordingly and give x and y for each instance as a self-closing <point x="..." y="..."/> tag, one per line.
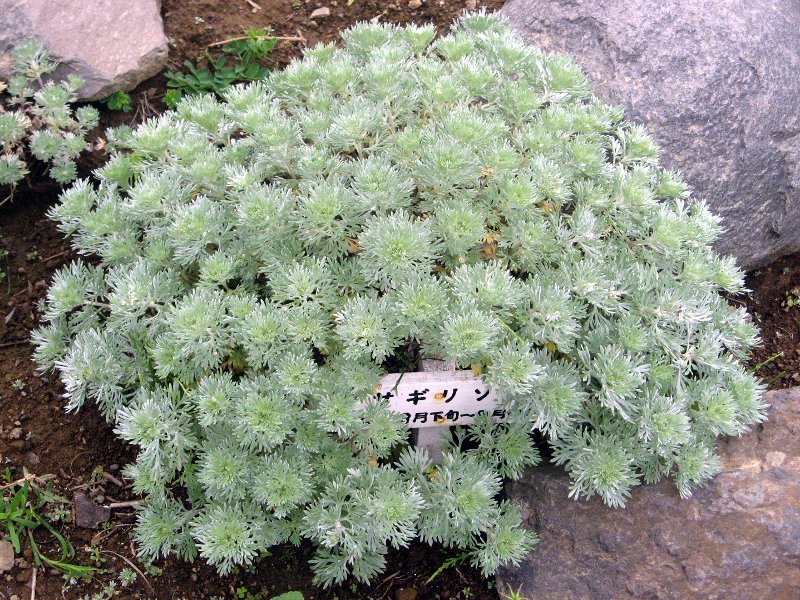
<point x="775" y="306"/>
<point x="78" y="449"/>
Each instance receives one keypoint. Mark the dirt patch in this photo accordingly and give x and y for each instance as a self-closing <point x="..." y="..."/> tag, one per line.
<point x="774" y="304"/>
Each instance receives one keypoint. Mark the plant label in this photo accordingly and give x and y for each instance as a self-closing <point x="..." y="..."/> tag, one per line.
<point x="438" y="398"/>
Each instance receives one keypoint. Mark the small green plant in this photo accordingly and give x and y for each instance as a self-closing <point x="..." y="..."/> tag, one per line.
<point x="241" y="60"/>
<point x="791" y="298"/>
<point x="172" y="97"/>
<point x="21" y="504"/>
<point x="127" y="577"/>
<point x="449" y="563"/>
<point x="59" y="512"/>
<point x="151" y="568"/>
<point x="289" y="596"/>
<point x="119" y="101"/>
<point x="96" y="556"/>
<point x="36" y="119"/>
<point x="242" y="593"/>
<point x="108" y="591"/>
<point x="513" y="594"/>
<point x="18" y="384"/>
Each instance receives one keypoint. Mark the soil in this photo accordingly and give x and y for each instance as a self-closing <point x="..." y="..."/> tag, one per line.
<point x="82" y="454"/>
<point x="774" y="304"/>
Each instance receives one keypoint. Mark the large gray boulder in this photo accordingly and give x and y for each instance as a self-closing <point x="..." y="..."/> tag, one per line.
<point x="737" y="538"/>
<point x="113" y="44"/>
<point x="718" y="86"/>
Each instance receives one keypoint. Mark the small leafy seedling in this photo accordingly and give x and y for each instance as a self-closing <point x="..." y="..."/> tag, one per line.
<point x="20" y="518"/>
<point x="3" y="256"/>
<point x="449" y="563"/>
<point x="240" y="61"/>
<point x="289" y="596"/>
<point x="172" y="97"/>
<point x="513" y="594"/>
<point x="119" y="101"/>
<point x="792" y="298"/>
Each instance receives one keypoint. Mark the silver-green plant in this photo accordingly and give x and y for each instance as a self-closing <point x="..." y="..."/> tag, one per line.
<point x="36" y="119"/>
<point x="260" y="261"/>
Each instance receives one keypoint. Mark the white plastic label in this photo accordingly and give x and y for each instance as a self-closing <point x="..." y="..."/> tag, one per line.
<point x="438" y="398"/>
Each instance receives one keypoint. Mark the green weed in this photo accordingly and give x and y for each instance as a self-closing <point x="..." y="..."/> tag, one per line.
<point x="20" y="518"/>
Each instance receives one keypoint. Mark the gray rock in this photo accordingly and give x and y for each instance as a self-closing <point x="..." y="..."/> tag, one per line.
<point x="88" y="514"/>
<point x="320" y="13"/>
<point x="6" y="556"/>
<point x="718" y="86"/>
<point x="113" y="45"/>
<point x="737" y="538"/>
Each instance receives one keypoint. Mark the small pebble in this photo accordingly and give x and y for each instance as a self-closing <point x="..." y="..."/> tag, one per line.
<point x="471" y="4"/>
<point x="15" y="433"/>
<point x="321" y="13"/>
<point x="6" y="556"/>
<point x="88" y="514"/>
<point x="113" y="468"/>
<point x="30" y="459"/>
<point x="414" y="4"/>
<point x="406" y="594"/>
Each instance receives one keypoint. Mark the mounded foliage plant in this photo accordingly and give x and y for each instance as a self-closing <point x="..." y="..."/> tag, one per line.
<point x="258" y="262"/>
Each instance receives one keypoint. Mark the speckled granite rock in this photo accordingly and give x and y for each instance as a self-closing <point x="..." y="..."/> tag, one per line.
<point x="113" y="44"/>
<point x="737" y="538"/>
<point x="718" y="86"/>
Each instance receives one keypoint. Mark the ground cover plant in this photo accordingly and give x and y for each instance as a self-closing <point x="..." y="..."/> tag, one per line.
<point x="36" y="120"/>
<point x="259" y="261"/>
<point x="241" y="60"/>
